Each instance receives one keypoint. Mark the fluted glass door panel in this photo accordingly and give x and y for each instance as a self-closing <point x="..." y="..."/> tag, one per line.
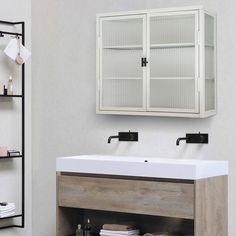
<point x="210" y="74"/>
<point x="122" y="79"/>
<point x="173" y="51"/>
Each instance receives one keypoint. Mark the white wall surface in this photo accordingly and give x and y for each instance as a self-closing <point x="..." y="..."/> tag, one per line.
<point x="10" y="119"/>
<point x="64" y="119"/>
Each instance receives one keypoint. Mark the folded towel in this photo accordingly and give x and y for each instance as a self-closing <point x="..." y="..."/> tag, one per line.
<point x="103" y="234"/>
<point x="162" y="234"/>
<point x="118" y="227"/>
<point x="128" y="232"/>
<point x="2" y="215"/>
<point x="6" y="211"/>
<point x="7" y="207"/>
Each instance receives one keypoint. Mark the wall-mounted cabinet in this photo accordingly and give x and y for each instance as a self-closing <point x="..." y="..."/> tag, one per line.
<point x="157" y="63"/>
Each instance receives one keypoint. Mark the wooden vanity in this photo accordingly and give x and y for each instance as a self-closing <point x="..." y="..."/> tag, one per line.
<point x="199" y="205"/>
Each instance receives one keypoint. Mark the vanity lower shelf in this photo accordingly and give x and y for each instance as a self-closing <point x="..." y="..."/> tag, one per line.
<point x="145" y="223"/>
<point x="192" y="201"/>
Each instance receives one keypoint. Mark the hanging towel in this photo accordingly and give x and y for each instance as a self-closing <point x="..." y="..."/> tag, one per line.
<point x="12" y="50"/>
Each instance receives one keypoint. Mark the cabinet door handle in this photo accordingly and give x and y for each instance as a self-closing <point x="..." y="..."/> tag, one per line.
<point x="144" y="62"/>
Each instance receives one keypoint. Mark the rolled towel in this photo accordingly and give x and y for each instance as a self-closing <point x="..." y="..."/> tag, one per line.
<point x="118" y="227"/>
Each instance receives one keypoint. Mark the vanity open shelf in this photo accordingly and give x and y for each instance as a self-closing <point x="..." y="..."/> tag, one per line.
<point x="156" y="190"/>
<point x="145" y="223"/>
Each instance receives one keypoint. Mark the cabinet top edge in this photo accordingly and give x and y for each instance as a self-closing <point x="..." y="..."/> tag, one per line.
<point x="156" y="10"/>
<point x="138" y="178"/>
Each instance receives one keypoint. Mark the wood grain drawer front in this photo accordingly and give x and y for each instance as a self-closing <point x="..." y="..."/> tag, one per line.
<point x="132" y="196"/>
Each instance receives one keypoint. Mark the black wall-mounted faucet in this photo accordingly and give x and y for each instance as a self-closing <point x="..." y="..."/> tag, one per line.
<point x="112" y="137"/>
<point x="125" y="136"/>
<point x="194" y="138"/>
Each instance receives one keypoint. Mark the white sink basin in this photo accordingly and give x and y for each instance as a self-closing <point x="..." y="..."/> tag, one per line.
<point x="142" y="167"/>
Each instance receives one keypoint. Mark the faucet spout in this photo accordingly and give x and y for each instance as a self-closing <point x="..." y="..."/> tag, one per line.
<point x="112" y="137"/>
<point x="179" y="139"/>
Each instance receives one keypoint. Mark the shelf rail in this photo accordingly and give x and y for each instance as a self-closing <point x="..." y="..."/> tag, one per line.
<point x="10" y="33"/>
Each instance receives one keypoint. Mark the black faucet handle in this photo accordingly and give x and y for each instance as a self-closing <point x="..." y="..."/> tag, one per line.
<point x="197" y="138"/>
<point x="194" y="138"/>
<point x="125" y="136"/>
<point x="128" y="136"/>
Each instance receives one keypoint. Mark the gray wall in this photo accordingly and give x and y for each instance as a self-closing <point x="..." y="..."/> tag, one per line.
<point x="10" y="118"/>
<point x="64" y="119"/>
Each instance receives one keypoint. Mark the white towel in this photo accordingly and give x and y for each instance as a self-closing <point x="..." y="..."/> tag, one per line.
<point x="6" y="211"/>
<point x="2" y="215"/>
<point x="9" y="206"/>
<point x="12" y="50"/>
<point x="128" y="232"/>
<point x="113" y="234"/>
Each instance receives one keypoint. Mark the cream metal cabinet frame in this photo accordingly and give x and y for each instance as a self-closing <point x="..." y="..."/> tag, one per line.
<point x="158" y="62"/>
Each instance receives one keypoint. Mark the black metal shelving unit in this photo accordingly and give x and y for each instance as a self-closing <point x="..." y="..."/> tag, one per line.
<point x="22" y="156"/>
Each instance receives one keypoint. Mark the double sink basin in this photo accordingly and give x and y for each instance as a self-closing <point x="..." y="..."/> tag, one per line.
<point x="189" y="169"/>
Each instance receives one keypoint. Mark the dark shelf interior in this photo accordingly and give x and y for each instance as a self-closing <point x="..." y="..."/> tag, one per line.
<point x="145" y="223"/>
